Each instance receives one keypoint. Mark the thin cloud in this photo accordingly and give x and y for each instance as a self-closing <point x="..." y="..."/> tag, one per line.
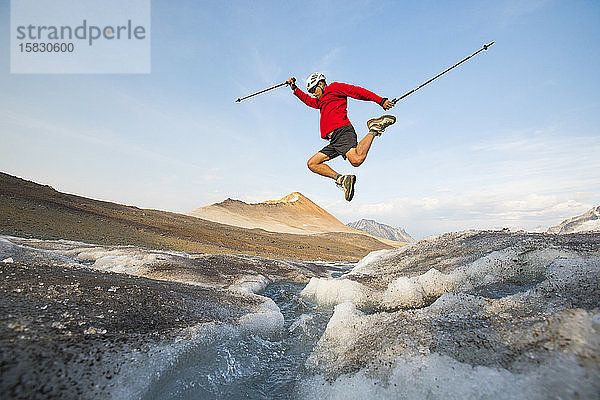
<point x="519" y="8"/>
<point x="476" y="210"/>
<point x="106" y="138"/>
<point x="523" y="183"/>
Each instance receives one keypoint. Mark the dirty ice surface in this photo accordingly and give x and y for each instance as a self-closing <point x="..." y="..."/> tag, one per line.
<point x="467" y="315"/>
<point x="464" y="315"/>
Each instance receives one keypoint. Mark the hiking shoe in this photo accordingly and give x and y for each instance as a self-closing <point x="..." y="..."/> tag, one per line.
<point x="377" y="125"/>
<point x="346" y="183"/>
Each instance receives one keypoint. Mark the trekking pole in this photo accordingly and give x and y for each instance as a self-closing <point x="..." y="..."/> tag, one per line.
<point x="485" y="47"/>
<point x="264" y="90"/>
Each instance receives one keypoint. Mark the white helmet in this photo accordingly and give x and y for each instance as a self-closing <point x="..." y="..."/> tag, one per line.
<point x="314" y="80"/>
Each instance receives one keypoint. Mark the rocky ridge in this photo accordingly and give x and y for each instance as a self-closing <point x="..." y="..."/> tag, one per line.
<point x="383" y="231"/>
<point x="587" y="222"/>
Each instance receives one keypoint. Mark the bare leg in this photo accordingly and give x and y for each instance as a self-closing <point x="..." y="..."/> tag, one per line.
<point x="317" y="165"/>
<point x="358" y="154"/>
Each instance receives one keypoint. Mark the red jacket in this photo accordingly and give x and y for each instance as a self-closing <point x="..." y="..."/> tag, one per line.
<point x="334" y="102"/>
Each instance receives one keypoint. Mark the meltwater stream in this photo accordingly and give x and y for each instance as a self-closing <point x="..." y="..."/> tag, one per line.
<point x="233" y="364"/>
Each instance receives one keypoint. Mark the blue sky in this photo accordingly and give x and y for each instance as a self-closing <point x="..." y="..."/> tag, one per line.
<point x="509" y="139"/>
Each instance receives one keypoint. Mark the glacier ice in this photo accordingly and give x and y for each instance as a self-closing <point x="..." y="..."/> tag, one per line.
<point x="476" y="314"/>
<point x="464" y="315"/>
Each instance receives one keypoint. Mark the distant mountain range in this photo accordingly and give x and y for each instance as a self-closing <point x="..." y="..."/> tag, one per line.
<point x="294" y="213"/>
<point x="588" y="222"/>
<point x="381" y="230"/>
<point x="31" y="210"/>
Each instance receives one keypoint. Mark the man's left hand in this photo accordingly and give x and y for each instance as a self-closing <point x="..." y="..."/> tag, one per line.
<point x="388" y="104"/>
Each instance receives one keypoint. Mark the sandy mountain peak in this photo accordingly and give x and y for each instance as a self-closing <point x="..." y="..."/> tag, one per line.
<point x="293" y="213"/>
<point x="294" y="197"/>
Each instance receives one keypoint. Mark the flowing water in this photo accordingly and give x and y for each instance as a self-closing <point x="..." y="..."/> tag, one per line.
<point x="238" y="365"/>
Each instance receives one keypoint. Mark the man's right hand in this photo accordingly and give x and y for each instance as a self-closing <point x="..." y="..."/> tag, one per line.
<point x="292" y="83"/>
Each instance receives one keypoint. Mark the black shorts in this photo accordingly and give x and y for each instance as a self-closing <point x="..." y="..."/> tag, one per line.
<point x="341" y="141"/>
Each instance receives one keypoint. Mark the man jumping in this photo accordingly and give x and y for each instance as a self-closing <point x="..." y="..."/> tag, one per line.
<point x="332" y="101"/>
